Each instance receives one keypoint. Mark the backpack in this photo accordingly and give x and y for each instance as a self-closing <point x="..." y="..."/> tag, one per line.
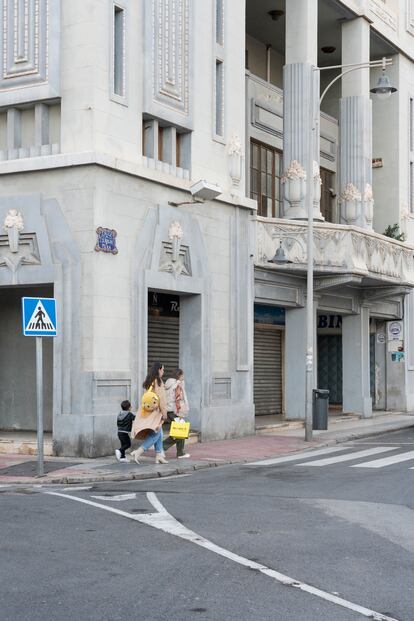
<point x="150" y="401"/>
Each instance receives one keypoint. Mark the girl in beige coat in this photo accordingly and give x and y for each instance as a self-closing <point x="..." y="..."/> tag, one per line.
<point x="150" y="428"/>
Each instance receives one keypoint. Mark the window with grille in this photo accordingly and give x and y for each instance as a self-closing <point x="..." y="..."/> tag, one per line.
<point x="265" y="179"/>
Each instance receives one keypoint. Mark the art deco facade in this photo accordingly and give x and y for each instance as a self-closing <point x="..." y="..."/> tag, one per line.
<point x="156" y="152"/>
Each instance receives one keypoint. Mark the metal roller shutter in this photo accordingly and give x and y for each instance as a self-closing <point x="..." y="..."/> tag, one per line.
<point x="163" y="343"/>
<point x="267" y="386"/>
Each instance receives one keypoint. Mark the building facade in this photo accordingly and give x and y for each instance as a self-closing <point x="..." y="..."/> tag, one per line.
<point x="154" y="155"/>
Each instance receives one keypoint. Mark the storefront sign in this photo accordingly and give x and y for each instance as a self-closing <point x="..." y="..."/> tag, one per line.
<point x="332" y="322"/>
<point x="163" y="304"/>
<point x="273" y="315"/>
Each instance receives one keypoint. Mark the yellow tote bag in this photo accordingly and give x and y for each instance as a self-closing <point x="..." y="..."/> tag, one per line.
<point x="179" y="431"/>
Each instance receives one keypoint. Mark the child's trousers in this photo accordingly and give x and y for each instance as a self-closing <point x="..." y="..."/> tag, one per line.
<point x="125" y="441"/>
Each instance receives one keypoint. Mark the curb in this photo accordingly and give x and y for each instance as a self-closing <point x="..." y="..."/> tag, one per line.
<point x="140" y="476"/>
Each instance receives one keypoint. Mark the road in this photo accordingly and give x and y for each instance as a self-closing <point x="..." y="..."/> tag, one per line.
<point x="321" y="536"/>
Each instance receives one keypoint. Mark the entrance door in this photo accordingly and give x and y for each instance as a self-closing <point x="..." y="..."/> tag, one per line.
<point x="18" y="364"/>
<point x="267" y="386"/>
<point x="164" y="331"/>
<point x="330" y="366"/>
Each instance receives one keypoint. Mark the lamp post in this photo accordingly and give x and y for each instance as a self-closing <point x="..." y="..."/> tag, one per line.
<point x="382" y="90"/>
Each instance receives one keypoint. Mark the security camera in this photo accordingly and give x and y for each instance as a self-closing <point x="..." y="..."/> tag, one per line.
<point x="204" y="190"/>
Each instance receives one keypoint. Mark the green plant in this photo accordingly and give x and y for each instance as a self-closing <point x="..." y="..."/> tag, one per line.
<point x="392" y="231"/>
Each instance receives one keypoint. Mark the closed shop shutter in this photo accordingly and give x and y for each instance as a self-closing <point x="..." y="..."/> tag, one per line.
<point x="267" y="387"/>
<point x="163" y="343"/>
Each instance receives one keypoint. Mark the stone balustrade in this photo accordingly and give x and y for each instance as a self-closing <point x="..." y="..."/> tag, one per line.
<point x="338" y="250"/>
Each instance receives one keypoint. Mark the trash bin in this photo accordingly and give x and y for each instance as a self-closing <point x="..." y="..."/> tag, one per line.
<point x="320" y="403"/>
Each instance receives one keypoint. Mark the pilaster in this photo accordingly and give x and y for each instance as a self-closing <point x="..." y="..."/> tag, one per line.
<point x="295" y="362"/>
<point x="356" y="364"/>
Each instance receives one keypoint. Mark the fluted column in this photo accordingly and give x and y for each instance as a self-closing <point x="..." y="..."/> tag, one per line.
<point x="356" y="201"/>
<point x="301" y="109"/>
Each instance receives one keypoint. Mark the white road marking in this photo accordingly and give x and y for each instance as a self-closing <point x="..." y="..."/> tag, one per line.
<point x="162" y="520"/>
<point x="297" y="456"/>
<point x="387" y="461"/>
<point x="349" y="457"/>
<point x="119" y="498"/>
<point x="77" y="489"/>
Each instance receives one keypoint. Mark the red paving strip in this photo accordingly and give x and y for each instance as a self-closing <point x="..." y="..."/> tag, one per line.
<point x="256" y="447"/>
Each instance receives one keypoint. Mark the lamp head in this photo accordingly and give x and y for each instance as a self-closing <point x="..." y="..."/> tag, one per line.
<point x="280" y="258"/>
<point x="383" y="89"/>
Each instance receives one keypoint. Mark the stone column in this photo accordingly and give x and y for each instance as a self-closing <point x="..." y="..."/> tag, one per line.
<point x="355" y="364"/>
<point x="356" y="202"/>
<point x="295" y="362"/>
<point x="301" y="106"/>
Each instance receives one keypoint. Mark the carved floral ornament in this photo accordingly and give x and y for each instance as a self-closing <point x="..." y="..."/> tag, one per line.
<point x="13" y="219"/>
<point x="235" y="155"/>
<point x="13" y="225"/>
<point x="175" y="230"/>
<point x="317" y="173"/>
<point x="351" y="193"/>
<point x="294" y="171"/>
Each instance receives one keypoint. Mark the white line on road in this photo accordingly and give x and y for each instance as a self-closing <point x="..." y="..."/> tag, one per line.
<point x="162" y="520"/>
<point x="387" y="461"/>
<point x="118" y="498"/>
<point x="349" y="457"/>
<point x="77" y="489"/>
<point x="297" y="456"/>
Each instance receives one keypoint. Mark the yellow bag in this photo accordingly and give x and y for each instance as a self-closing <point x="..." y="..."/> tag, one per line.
<point x="179" y="431"/>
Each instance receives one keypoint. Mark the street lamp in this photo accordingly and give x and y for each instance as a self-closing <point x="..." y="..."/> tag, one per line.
<point x="382" y="90"/>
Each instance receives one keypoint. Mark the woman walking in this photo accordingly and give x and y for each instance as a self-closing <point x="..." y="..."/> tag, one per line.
<point x="177" y="406"/>
<point x="148" y="424"/>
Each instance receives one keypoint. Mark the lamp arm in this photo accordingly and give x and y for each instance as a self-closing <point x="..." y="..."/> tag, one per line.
<point x="340" y="75"/>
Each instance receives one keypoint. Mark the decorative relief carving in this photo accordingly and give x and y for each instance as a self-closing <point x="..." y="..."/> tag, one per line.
<point x="409" y="9"/>
<point x="179" y="266"/>
<point x="175" y="257"/>
<point x="26" y="253"/>
<point x="388" y="17"/>
<point x="170" y="34"/>
<point x="24" y="42"/>
<point x="337" y="249"/>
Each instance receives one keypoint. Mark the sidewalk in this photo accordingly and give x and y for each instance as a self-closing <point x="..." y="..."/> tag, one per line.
<point x="21" y="469"/>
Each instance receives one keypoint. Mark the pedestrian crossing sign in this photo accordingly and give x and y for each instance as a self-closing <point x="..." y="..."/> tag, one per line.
<point x="39" y="316"/>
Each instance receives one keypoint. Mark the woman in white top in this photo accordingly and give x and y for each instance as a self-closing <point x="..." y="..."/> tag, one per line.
<point x="177" y="406"/>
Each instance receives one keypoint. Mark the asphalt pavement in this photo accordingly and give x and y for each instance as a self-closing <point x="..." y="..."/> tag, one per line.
<point x="292" y="540"/>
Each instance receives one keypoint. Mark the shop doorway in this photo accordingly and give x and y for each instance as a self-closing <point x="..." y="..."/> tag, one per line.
<point x="268" y="360"/>
<point x="18" y="364"/>
<point x="330" y="358"/>
<point x="164" y="331"/>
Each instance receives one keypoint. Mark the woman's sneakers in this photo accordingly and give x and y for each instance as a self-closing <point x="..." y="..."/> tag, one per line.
<point x="160" y="459"/>
<point x="185" y="456"/>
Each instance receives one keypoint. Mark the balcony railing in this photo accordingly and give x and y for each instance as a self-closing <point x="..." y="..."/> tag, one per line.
<point x="338" y="250"/>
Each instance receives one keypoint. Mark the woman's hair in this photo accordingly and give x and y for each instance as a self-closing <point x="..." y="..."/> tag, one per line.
<point x="153" y="376"/>
<point x="178" y="373"/>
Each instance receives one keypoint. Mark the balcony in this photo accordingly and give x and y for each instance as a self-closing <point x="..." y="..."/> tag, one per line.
<point x="343" y="255"/>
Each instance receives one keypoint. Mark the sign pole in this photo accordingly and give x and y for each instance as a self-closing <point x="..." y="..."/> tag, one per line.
<point x="39" y="403"/>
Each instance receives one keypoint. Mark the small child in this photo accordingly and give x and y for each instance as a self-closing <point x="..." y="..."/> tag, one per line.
<point x="124" y="422"/>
